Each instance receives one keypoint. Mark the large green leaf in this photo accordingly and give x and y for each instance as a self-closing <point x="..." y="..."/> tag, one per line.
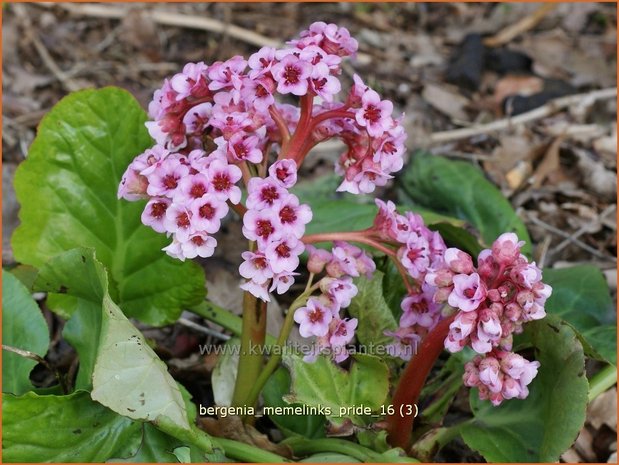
<point x="324" y="384"/>
<point x="69" y="428"/>
<point x="23" y="327"/>
<point x="79" y="280"/>
<point x="580" y="295"/>
<point x="374" y="314"/>
<point x="542" y="426"/>
<point x="278" y="385"/>
<point x="460" y="189"/>
<point x="129" y="378"/>
<point x="67" y="190"/>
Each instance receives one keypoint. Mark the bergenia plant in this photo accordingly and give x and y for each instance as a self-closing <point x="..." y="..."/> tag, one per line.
<point x="228" y="126"/>
<point x="397" y="313"/>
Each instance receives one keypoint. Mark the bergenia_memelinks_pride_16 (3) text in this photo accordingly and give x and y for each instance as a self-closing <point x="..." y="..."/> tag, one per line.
<point x="232" y="136"/>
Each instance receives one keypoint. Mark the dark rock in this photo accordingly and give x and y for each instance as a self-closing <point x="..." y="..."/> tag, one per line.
<point x="553" y="88"/>
<point x="467" y="63"/>
<point x="504" y="61"/>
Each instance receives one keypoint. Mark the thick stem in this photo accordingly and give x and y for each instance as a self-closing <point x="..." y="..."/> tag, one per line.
<point x="411" y="382"/>
<point x="363" y="237"/>
<point x="602" y="381"/>
<point x="278" y="349"/>
<point x="238" y="208"/>
<point x="252" y="337"/>
<point x="280" y="121"/>
<point x="302" y="446"/>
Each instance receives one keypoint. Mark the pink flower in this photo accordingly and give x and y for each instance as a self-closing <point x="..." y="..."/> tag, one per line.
<point x="227" y="74"/>
<point x="318" y="258"/>
<point x="506" y="248"/>
<point x="255" y="267"/>
<point x="261" y="62"/>
<point x="405" y="345"/>
<point x="282" y="282"/>
<point x="342" y="331"/>
<point x="191" y="82"/>
<point x="178" y="221"/>
<point x="374" y="114"/>
<point x="291" y="75"/>
<point x="223" y="178"/>
<point x="261" y="226"/>
<point x="285" y="172"/>
<point x="242" y="147"/>
<point x="259" y="92"/>
<point x="458" y="261"/>
<point x="342" y="290"/>
<point x="197" y="245"/>
<point x="260" y="291"/>
<point x="313" y="319"/>
<point x="207" y="213"/>
<point x="416" y="255"/>
<point x="292" y="216"/>
<point x="468" y="292"/>
<point x="197" y="119"/>
<point x="154" y="213"/>
<point x="283" y="254"/>
<point x="165" y="179"/>
<point x="264" y="193"/>
<point x="191" y="187"/>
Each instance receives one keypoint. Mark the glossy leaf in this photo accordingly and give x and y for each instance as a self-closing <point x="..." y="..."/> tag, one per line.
<point x="73" y="169"/>
<point x="23" y="327"/>
<point x="278" y="385"/>
<point x="323" y="383"/>
<point x="542" y="426"/>
<point x="129" y="377"/>
<point x="69" y="428"/>
<point x="580" y="296"/>
<point x="460" y="189"/>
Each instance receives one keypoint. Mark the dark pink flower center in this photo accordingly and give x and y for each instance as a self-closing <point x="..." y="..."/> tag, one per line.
<point x="287" y="215"/>
<point x="315" y="315"/>
<point x="170" y="181"/>
<point x="207" y="211"/>
<point x="182" y="220"/>
<point x="283" y="251"/>
<point x="371" y="113"/>
<point x="158" y="209"/>
<point x="291" y="74"/>
<point x="221" y="182"/>
<point x="269" y="194"/>
<point x="197" y="190"/>
<point x="264" y="228"/>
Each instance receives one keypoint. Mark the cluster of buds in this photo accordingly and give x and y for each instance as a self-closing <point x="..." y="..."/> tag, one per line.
<point x="276" y="221"/>
<point x="419" y="250"/>
<point x="321" y="316"/>
<point x="493" y="301"/>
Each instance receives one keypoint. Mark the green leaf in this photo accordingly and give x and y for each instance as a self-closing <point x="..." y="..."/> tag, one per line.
<point x="129" y="378"/>
<point x="542" y="426"/>
<point x="277" y="386"/>
<point x="224" y="374"/>
<point x="73" y="169"/>
<point x="324" y="384"/>
<point x="23" y="327"/>
<point x="581" y="296"/>
<point x="460" y="189"/>
<point x="83" y="282"/>
<point x="374" y="315"/>
<point x="59" y="429"/>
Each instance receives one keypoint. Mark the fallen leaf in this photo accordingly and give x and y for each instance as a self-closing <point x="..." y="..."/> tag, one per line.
<point x="550" y="164"/>
<point x="446" y="101"/>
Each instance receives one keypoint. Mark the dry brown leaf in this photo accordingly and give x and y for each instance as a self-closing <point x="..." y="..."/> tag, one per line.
<point x="550" y="165"/>
<point x="232" y="427"/>
<point x="516" y="85"/>
<point x="603" y="410"/>
<point x="595" y="176"/>
<point x="446" y="101"/>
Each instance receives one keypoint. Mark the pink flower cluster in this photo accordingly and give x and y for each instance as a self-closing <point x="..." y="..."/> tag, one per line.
<point x="500" y="375"/>
<point x="321" y="316"/>
<point x="215" y="124"/>
<point x="420" y="250"/>
<point x="188" y="195"/>
<point x="276" y="221"/>
<point x="493" y="301"/>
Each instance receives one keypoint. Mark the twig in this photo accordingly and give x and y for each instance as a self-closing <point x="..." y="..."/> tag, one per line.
<point x="523" y="25"/>
<point x="68" y="83"/>
<point x="545" y="110"/>
<point x="169" y="18"/>
<point x="203" y="329"/>
<point x="583" y="229"/>
<point x="37" y="358"/>
<point x="575" y="241"/>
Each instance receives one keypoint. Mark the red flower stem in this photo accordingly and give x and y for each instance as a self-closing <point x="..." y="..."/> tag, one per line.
<point x="352" y="236"/>
<point x="282" y="125"/>
<point x="412" y="380"/>
<point x="240" y="209"/>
